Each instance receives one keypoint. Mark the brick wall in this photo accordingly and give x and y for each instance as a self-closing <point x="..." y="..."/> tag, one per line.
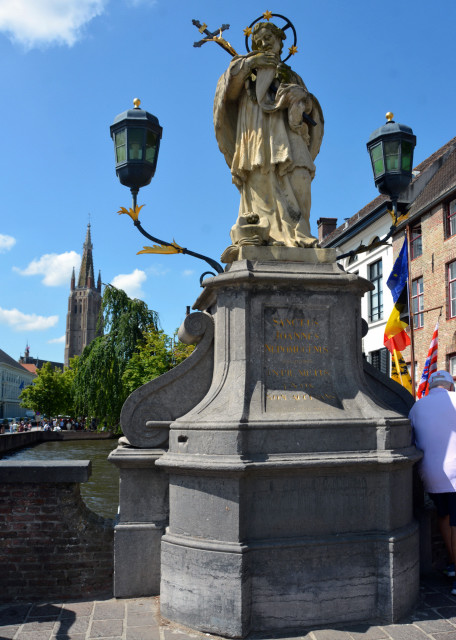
<point x="51" y="545"/>
<point x="432" y="265"/>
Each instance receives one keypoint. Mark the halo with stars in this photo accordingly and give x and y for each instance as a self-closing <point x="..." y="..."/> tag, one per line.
<point x="267" y="15"/>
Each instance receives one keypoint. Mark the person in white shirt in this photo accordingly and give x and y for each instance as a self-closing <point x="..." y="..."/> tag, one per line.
<point x="433" y="419"/>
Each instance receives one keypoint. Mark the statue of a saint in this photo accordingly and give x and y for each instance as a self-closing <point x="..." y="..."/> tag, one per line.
<point x="269" y="128"/>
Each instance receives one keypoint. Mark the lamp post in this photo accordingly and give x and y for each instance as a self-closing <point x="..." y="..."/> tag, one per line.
<point x="390" y="149"/>
<point x="136" y="135"/>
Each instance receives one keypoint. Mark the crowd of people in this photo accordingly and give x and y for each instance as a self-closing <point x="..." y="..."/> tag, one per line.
<point x="61" y="423"/>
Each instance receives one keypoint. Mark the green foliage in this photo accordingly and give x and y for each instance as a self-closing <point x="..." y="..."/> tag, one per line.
<point x="181" y="351"/>
<point x="155" y="354"/>
<point x="97" y="385"/>
<point x="132" y="351"/>
<point x="50" y="392"/>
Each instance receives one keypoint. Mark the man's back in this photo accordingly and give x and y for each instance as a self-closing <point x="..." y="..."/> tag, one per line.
<point x="434" y="422"/>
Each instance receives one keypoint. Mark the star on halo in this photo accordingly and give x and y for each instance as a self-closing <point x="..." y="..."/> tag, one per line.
<point x="247" y="31"/>
<point x="293" y="49"/>
<point x="267" y="15"/>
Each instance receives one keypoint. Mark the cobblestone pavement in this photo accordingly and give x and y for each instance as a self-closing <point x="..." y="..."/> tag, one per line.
<point x="138" y="619"/>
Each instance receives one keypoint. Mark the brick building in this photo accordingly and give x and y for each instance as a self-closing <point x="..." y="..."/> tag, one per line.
<point x="431" y="226"/>
<point x="428" y="209"/>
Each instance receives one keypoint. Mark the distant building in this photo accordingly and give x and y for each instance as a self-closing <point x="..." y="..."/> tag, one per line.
<point x="84" y="305"/>
<point x="13" y="379"/>
<point x="33" y="364"/>
<point x="428" y="208"/>
<point x="364" y="229"/>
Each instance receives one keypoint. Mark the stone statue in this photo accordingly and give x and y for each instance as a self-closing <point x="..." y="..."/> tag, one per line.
<point x="269" y="128"/>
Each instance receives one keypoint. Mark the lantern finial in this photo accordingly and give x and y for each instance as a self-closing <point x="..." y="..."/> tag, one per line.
<point x="136" y="102"/>
<point x="389" y="116"/>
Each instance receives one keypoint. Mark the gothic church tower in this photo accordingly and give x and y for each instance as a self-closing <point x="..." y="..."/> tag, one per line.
<point x="84" y="304"/>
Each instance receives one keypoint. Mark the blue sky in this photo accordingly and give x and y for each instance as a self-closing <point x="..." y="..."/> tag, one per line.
<point x="70" y="66"/>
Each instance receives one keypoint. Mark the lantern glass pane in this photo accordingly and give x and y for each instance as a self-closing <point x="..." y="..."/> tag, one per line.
<point x="392" y="155"/>
<point x="120" y="146"/>
<point x="151" y="146"/>
<point x="377" y="159"/>
<point x="135" y="144"/>
<point x="407" y="153"/>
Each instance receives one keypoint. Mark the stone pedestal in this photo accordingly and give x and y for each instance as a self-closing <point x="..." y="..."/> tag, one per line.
<point x="143" y="498"/>
<point x="290" y="482"/>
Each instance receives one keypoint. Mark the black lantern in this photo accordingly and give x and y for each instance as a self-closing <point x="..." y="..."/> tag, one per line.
<point x="136" y="135"/>
<point x="391" y="152"/>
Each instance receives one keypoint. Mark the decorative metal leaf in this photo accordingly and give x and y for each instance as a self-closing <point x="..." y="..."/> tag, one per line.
<point x="133" y="213"/>
<point x="163" y="248"/>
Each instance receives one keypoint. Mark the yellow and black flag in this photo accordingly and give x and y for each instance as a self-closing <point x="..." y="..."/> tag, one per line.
<point x="396" y="338"/>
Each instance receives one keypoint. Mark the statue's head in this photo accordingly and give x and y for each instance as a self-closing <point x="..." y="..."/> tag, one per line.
<point x="269" y="29"/>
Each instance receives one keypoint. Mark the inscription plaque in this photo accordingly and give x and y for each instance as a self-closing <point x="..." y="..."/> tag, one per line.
<point x="297" y="362"/>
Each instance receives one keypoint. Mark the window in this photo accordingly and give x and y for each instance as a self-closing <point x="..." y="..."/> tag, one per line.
<point x="380" y="360"/>
<point x="376" y="296"/>
<point x="452" y="289"/>
<point x="416" y="244"/>
<point x="452" y="364"/>
<point x="451" y="219"/>
<point x="418" y="303"/>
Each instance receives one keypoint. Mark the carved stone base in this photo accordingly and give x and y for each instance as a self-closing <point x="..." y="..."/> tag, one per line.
<point x="142" y="519"/>
<point x="290" y="482"/>
<point x="278" y="254"/>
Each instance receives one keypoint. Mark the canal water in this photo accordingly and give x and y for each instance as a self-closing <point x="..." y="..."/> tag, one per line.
<point x="101" y="491"/>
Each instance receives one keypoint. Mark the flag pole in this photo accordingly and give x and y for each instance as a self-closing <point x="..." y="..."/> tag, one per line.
<point x="409" y="290"/>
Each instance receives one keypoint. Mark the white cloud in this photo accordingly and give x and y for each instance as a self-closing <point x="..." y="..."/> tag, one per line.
<point x="56" y="268"/>
<point x="43" y="22"/>
<point x="130" y="283"/>
<point x="188" y="272"/>
<point x="6" y="243"/>
<point x="57" y="340"/>
<point x="19" y="321"/>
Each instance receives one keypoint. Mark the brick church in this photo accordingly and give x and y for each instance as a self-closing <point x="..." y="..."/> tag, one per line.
<point x="84" y="304"/>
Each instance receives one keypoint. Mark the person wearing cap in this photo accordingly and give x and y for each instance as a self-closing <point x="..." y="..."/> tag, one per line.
<point x="433" y="419"/>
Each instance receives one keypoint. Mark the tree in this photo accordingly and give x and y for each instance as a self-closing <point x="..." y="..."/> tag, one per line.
<point x="50" y="392"/>
<point x="155" y="354"/>
<point x="98" y="385"/>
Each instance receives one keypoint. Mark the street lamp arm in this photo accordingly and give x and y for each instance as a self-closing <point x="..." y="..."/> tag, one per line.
<point x="177" y="249"/>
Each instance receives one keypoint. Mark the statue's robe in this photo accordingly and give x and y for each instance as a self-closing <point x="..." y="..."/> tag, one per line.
<point x="269" y="148"/>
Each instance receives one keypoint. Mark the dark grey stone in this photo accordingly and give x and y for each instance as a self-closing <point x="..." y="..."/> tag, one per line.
<point x="291" y="480"/>
<point x="143" y="516"/>
<point x="40" y="471"/>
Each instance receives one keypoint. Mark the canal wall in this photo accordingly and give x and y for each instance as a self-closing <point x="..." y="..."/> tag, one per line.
<point x="13" y="441"/>
<point x="52" y="547"/>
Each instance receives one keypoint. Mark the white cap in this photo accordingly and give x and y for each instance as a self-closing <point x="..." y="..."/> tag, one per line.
<point x="439" y="377"/>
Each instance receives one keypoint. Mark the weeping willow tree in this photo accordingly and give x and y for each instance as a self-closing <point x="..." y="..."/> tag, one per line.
<point x="98" y="387"/>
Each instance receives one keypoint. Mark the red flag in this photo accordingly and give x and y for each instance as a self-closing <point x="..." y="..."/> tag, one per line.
<point x="430" y="364"/>
<point x="395" y="338"/>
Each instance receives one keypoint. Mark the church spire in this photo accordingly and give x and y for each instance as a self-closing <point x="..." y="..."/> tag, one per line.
<point x="86" y="276"/>
<point x="84" y="304"/>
